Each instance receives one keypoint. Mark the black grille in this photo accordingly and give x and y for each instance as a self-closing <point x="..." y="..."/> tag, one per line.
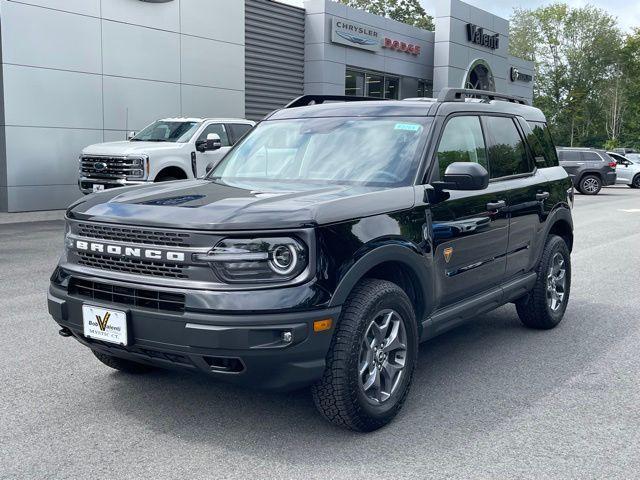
<point x="151" y="299"/>
<point x="134" y="235"/>
<point x="130" y="265"/>
<point x="111" y="167"/>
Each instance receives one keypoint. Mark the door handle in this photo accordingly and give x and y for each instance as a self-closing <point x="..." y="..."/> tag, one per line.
<point x="496" y="205"/>
<point x="542" y="196"/>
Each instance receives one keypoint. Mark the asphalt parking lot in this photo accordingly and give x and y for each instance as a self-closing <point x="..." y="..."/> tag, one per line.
<point x="489" y="400"/>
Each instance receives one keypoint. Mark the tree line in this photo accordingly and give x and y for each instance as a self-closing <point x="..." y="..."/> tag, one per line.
<point x="587" y="78"/>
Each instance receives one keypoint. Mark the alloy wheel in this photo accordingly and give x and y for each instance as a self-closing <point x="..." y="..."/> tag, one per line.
<point x="383" y="356"/>
<point x="590" y="185"/>
<point x="556" y="282"/>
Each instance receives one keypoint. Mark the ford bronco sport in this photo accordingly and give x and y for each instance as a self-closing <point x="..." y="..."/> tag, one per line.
<point x="327" y="244"/>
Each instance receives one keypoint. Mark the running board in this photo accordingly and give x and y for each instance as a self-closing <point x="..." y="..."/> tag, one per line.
<point x="450" y="317"/>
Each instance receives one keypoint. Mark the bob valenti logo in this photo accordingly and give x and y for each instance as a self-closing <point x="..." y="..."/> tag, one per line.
<point x="129" y="252"/>
<point x="476" y="35"/>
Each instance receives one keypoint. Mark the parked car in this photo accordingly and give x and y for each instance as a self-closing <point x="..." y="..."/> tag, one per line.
<point x="325" y="246"/>
<point x="628" y="168"/>
<point x="590" y="169"/>
<point x="624" y="151"/>
<point x="168" y="149"/>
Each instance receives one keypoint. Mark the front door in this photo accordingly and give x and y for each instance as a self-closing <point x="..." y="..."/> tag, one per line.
<point x="470" y="228"/>
<point x="213" y="157"/>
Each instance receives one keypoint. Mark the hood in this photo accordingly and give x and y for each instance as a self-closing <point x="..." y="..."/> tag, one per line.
<point x="130" y="148"/>
<point x="209" y="205"/>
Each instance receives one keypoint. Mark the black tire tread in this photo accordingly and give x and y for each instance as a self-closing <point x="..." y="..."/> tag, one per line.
<point x="334" y="395"/>
<point x="532" y="308"/>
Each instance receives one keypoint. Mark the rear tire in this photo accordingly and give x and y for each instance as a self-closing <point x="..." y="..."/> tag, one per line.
<point x="123" y="365"/>
<point x="543" y="308"/>
<point x="590" y="185"/>
<point x="369" y="369"/>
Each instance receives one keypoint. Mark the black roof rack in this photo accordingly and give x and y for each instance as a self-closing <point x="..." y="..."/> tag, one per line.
<point x="306" y="100"/>
<point x="461" y="94"/>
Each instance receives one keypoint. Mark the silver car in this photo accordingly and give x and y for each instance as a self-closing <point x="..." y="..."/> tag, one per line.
<point x="628" y="168"/>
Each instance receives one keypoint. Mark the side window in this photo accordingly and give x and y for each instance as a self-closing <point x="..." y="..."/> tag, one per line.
<point x="462" y="141"/>
<point x="545" y="147"/>
<point x="507" y="152"/>
<point x="215" y="128"/>
<point x="591" y="157"/>
<point x="238" y="130"/>
<point x="569" y="156"/>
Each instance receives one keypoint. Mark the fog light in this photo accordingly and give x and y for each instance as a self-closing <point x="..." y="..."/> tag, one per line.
<point x="287" y="336"/>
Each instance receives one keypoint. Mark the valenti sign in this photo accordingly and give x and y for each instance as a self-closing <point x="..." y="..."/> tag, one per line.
<point x="357" y="35"/>
<point x="475" y="34"/>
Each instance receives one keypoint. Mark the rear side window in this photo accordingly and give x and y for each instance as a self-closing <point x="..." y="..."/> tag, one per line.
<point x="591" y="157"/>
<point x="507" y="152"/>
<point x="544" y="146"/>
<point x="462" y="141"/>
<point x="238" y="130"/>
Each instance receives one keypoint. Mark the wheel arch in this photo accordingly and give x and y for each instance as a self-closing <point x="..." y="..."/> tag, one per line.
<point x="396" y="263"/>
<point x="172" y="171"/>
<point x="559" y="222"/>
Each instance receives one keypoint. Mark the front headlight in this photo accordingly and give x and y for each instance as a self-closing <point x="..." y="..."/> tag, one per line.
<point x="137" y="165"/>
<point x="257" y="260"/>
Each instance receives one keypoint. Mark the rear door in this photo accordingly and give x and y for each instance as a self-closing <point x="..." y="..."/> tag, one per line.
<point x="470" y="228"/>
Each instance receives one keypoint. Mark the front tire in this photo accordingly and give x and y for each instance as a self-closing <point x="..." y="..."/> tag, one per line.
<point x="543" y="308"/>
<point x="635" y="183"/>
<point x="590" y="185"/>
<point x="122" y="365"/>
<point x="371" y="359"/>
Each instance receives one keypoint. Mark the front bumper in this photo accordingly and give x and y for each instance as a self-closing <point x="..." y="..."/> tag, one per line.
<point x="86" y="183"/>
<point x="246" y="348"/>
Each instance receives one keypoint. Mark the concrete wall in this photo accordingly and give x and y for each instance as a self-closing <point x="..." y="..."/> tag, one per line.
<point x="455" y="54"/>
<point x="325" y="62"/>
<point x="77" y="72"/>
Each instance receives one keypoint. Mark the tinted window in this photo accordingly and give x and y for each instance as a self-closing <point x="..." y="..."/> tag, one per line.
<point x="569" y="156"/>
<point x="215" y="128"/>
<point x="238" y="130"/>
<point x="507" y="153"/>
<point x="544" y="146"/>
<point x="462" y="141"/>
<point x="591" y="157"/>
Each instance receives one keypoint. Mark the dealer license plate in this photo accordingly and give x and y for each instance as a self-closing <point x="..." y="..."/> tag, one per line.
<point x="105" y="324"/>
<point x="97" y="187"/>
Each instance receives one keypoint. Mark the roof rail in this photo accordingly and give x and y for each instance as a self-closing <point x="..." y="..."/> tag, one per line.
<point x="306" y="100"/>
<point x="461" y="94"/>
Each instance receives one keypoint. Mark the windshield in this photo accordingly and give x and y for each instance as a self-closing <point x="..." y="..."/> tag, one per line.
<point x="167" y="131"/>
<point x="634" y="157"/>
<point x="378" y="151"/>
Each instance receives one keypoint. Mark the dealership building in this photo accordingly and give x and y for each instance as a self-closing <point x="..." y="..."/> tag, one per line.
<point x="79" y="72"/>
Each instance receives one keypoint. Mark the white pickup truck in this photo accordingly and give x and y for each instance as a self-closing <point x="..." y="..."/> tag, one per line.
<point x="168" y="149"/>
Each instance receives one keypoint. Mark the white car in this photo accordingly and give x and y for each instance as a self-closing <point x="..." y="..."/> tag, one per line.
<point x="627" y="168"/>
<point x="168" y="149"/>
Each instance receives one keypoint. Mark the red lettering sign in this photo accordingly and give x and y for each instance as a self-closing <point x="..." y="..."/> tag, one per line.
<point x="411" y="48"/>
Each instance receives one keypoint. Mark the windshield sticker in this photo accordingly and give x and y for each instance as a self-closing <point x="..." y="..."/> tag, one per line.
<point x="409" y="127"/>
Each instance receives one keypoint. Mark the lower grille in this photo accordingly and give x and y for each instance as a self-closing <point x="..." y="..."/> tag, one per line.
<point x="137" y="297"/>
<point x="130" y="265"/>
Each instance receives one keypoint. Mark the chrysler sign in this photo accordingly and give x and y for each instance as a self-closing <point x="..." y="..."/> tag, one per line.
<point x="355" y="35"/>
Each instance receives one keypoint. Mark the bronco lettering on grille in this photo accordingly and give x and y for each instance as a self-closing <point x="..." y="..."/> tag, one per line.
<point x="132" y="252"/>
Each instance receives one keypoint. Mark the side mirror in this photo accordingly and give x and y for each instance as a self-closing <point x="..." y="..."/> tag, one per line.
<point x="213" y="142"/>
<point x="464" y="176"/>
<point x="130" y="135"/>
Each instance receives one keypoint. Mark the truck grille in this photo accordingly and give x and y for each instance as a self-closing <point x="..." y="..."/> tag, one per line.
<point x="135" y="266"/>
<point x="134" y="235"/>
<point x="143" y="298"/>
<point x="111" y="167"/>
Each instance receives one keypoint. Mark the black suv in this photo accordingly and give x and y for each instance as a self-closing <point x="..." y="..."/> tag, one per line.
<point x="327" y="244"/>
<point x="590" y="169"/>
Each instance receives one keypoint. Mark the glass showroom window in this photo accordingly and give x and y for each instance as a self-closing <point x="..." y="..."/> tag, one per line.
<point x="354" y="83"/>
<point x="425" y="88"/>
<point x="371" y="84"/>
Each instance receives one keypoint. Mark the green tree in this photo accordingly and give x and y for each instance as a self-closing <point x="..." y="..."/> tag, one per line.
<point x="577" y="60"/>
<point x="630" y="72"/>
<point x="405" y="11"/>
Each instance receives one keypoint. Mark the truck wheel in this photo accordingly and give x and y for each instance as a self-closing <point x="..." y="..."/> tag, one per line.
<point x="371" y="359"/>
<point x="590" y="185"/>
<point x="635" y="183"/>
<point x="544" y="307"/>
<point x="123" y="365"/>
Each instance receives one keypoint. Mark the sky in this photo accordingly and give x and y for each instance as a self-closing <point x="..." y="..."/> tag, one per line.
<point x="627" y="11"/>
